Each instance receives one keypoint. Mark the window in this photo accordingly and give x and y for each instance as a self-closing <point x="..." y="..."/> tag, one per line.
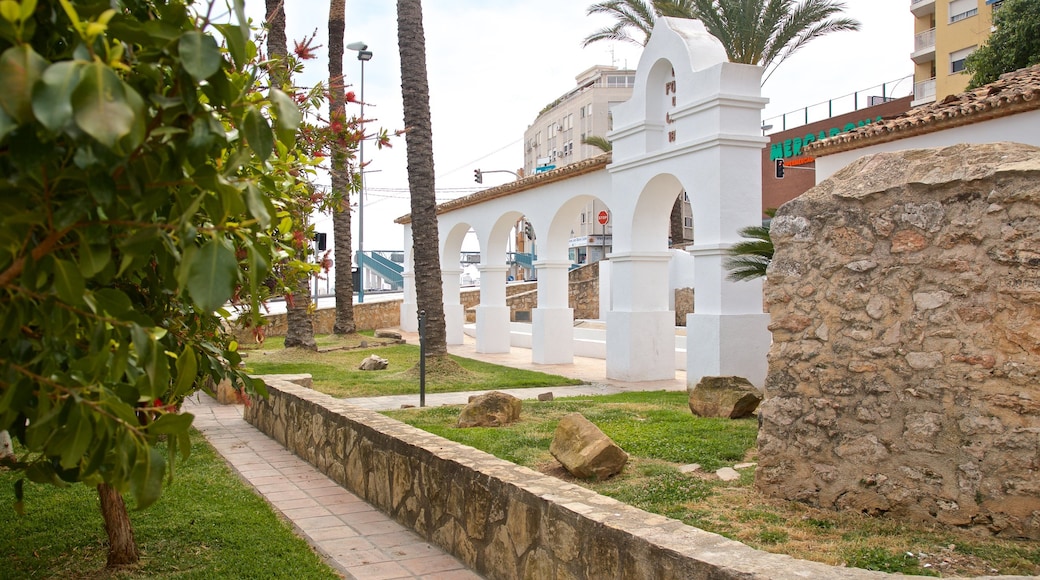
<point x="688" y="222"/>
<point x="957" y="59"/>
<point x="567" y="123"/>
<point x="961" y="9"/>
<point x="619" y="81"/>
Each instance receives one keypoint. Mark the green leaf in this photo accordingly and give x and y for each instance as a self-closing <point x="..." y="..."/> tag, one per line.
<point x="146" y="478"/>
<point x="184" y="443"/>
<point x="113" y="302"/>
<point x="258" y="133"/>
<point x="211" y="275"/>
<point x="68" y="282"/>
<point x="52" y="96"/>
<point x="237" y="40"/>
<point x="93" y="258"/>
<point x="171" y="424"/>
<point x="100" y="106"/>
<point x="28" y="7"/>
<point x="187" y="369"/>
<point x="259" y="206"/>
<point x="80" y="434"/>
<point x="287" y="117"/>
<point x="199" y="54"/>
<point x="20" y="67"/>
<point x="10" y="11"/>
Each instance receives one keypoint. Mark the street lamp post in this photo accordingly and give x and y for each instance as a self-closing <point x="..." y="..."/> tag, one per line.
<point x="364" y="55"/>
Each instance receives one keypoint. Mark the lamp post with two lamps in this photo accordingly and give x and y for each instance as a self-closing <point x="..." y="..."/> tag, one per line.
<point x="364" y="55"/>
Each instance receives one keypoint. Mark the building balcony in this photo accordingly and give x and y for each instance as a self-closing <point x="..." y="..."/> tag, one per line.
<point x="922" y="7"/>
<point x="924" y="92"/>
<point x="924" y="47"/>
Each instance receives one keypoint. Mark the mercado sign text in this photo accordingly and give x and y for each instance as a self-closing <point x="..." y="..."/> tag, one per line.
<point x="793" y="147"/>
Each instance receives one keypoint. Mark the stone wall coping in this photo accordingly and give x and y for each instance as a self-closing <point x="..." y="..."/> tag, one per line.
<point x="687" y="549"/>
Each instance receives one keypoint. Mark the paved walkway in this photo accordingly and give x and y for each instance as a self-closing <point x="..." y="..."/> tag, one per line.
<point x="355" y="538"/>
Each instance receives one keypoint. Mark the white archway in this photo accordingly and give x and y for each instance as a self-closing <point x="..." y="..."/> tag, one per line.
<point x="693" y="124"/>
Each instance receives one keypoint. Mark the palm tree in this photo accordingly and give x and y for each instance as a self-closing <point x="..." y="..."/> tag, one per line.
<point x="299" y="327"/>
<point x="762" y="32"/>
<point x="415" y="92"/>
<point x="749" y="259"/>
<point x="339" y="171"/>
<point x="768" y="32"/>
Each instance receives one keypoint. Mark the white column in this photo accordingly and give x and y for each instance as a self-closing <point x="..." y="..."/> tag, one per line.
<point x="640" y="327"/>
<point x="552" y="332"/>
<point x="606" y="297"/>
<point x="728" y="334"/>
<point x="410" y="304"/>
<point x="453" y="314"/>
<point x="492" y="312"/>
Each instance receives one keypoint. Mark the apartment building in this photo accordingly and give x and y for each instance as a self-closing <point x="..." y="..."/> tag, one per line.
<point x="945" y="33"/>
<point x="556" y="138"/>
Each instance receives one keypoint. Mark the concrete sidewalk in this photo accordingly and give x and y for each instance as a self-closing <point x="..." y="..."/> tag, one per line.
<point x="592" y="371"/>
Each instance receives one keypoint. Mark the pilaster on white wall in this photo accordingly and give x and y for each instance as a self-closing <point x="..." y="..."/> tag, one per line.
<point x="493" y="326"/>
<point x="722" y="345"/>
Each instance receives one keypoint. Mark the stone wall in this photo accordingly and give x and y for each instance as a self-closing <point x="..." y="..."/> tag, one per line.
<point x="502" y="520"/>
<point x="367" y="316"/>
<point x="904" y="376"/>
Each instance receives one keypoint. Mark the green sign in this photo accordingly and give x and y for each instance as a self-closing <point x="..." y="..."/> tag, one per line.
<point x="793" y="147"/>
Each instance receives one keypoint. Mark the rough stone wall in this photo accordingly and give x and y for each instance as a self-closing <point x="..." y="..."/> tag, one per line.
<point x="584" y="291"/>
<point x="904" y="376"/>
<point x="683" y="305"/>
<point x="502" y="520"/>
<point x="367" y="316"/>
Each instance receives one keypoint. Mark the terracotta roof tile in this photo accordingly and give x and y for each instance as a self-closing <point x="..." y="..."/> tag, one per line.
<point x="1012" y="93"/>
<point x="522" y="184"/>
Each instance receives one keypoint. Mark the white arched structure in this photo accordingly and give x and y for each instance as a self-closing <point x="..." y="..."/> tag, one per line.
<point x="693" y="123"/>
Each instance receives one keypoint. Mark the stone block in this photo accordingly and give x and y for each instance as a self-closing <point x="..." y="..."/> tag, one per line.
<point x="584" y="450"/>
<point x="492" y="409"/>
<point x="727" y="397"/>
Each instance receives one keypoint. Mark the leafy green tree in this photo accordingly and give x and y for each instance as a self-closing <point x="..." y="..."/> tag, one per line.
<point x="1014" y="43"/>
<point x="762" y="32"/>
<point x="145" y="186"/>
<point x="750" y="258"/>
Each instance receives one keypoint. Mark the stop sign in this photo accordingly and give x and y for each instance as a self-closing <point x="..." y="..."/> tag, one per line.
<point x="603" y="217"/>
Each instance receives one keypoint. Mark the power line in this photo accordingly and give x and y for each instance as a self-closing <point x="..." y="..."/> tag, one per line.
<point x="469" y="164"/>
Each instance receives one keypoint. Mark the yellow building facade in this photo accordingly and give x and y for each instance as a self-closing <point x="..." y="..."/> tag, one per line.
<point x="945" y="33"/>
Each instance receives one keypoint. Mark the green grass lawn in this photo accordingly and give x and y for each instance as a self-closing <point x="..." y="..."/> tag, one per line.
<point x="206" y="525"/>
<point x="660" y="434"/>
<point x="336" y="372"/>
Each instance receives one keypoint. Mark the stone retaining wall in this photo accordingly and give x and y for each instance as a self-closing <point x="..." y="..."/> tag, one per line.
<point x="502" y="520"/>
<point x="904" y="376"/>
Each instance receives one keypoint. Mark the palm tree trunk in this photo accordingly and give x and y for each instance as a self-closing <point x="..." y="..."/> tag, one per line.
<point x="122" y="550"/>
<point x="415" y="90"/>
<point x="340" y="176"/>
<point x="299" y="327"/>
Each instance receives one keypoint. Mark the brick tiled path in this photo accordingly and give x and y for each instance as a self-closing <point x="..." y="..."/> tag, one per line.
<point x="355" y="538"/>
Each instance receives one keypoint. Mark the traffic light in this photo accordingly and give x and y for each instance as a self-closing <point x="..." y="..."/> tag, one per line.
<point x="320" y="240"/>
<point x="477" y="176"/>
<point x="529" y="230"/>
<point x="779" y="168"/>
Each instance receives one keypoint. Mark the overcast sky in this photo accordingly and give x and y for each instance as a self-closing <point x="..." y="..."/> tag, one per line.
<point x="493" y="65"/>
